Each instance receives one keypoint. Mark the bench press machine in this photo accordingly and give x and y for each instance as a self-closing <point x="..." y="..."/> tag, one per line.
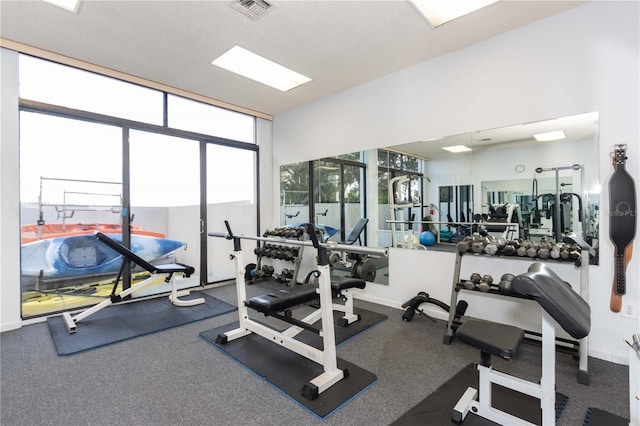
<point x="128" y="256"/>
<point x="278" y="304"/>
<point x="561" y="305"/>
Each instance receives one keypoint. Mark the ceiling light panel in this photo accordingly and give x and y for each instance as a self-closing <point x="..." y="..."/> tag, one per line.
<point x="260" y="69"/>
<point x="254" y="9"/>
<point x="457" y="148"/>
<point x="70" y="5"/>
<point x="439" y="12"/>
<point x="550" y="136"/>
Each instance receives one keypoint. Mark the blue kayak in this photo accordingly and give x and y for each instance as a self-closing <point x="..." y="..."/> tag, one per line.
<point x="79" y="255"/>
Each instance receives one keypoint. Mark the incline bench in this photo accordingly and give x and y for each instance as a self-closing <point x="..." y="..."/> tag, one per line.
<point x="128" y="255"/>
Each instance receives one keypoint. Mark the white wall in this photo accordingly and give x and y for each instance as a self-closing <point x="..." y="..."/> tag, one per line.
<point x="582" y="60"/>
<point x="9" y="198"/>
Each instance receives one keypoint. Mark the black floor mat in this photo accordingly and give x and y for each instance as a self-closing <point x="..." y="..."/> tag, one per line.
<point x="125" y="321"/>
<point x="598" y="417"/>
<point x="288" y="371"/>
<point x="436" y="409"/>
<point x="367" y="319"/>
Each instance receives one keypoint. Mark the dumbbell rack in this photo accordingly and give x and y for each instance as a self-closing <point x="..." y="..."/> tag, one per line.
<point x="297" y="258"/>
<point x="578" y="348"/>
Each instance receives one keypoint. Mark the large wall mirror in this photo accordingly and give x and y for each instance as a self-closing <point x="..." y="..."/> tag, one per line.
<point x="540" y="177"/>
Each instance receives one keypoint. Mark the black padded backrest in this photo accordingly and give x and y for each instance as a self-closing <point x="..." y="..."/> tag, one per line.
<point x="556" y="297"/>
<point x="128" y="254"/>
<point x="357" y="230"/>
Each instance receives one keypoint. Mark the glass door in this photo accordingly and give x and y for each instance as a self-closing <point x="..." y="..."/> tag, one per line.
<point x="328" y="198"/>
<point x="164" y="177"/>
<point x="230" y="195"/>
<point x="338" y="197"/>
<point x="354" y="203"/>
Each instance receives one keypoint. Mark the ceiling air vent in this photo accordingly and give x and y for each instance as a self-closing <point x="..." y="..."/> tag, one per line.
<point x="254" y="9"/>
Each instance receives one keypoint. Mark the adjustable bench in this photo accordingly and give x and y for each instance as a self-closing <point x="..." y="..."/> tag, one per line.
<point x="561" y="305"/>
<point x="166" y="269"/>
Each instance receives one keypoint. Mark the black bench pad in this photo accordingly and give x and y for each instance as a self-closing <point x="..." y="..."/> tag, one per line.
<point x="497" y="339"/>
<point x="342" y="283"/>
<point x="175" y="267"/>
<point x="566" y="306"/>
<point x="280" y="300"/>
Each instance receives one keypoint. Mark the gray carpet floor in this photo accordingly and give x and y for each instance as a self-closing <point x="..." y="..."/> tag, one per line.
<point x="176" y="378"/>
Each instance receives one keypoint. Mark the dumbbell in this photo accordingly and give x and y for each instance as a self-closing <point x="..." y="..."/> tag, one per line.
<point x="472" y="282"/>
<point x="478" y="245"/>
<point x="554" y="253"/>
<point x="504" y="286"/>
<point x="485" y="283"/>
<point x="491" y="249"/>
<point x="509" y="249"/>
<point x="522" y="249"/>
<point x="544" y="251"/>
<point x="464" y="245"/>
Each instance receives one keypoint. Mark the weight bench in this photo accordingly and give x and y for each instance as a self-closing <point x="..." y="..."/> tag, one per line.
<point x="561" y="305"/>
<point x="278" y="303"/>
<point x="166" y="269"/>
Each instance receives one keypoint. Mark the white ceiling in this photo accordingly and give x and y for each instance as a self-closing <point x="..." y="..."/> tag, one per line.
<point x="576" y="128"/>
<point x="339" y="44"/>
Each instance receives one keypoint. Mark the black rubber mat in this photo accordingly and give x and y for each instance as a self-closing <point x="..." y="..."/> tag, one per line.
<point x="288" y="371"/>
<point x="367" y="320"/>
<point x="598" y="417"/>
<point x="126" y="321"/>
<point x="436" y="409"/>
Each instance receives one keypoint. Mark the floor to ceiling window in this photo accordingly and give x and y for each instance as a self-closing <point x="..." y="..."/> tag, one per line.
<point x="400" y="195"/>
<point x="147" y="168"/>
<point x="70" y="184"/>
<point x="230" y="196"/>
<point x="165" y="197"/>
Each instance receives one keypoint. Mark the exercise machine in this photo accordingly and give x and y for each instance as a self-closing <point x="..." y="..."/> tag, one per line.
<point x="412" y="306"/>
<point x="278" y="304"/>
<point x="561" y="305"/>
<point x="407" y="237"/>
<point x="167" y="270"/>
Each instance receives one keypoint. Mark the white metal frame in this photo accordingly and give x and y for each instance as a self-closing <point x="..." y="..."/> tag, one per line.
<point x="544" y="391"/>
<point x="326" y="357"/>
<point x="71" y="321"/>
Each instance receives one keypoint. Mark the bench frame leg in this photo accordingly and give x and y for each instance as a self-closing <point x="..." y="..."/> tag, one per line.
<point x="544" y="391"/>
<point x="71" y="320"/>
<point x="347" y="308"/>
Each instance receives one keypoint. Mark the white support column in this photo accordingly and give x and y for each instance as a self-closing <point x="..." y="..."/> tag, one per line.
<point x="548" y="379"/>
<point x="634" y="387"/>
<point x="328" y="331"/>
<point x="241" y="290"/>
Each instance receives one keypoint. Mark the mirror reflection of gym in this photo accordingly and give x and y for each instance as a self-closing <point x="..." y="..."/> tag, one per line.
<point x="497" y="182"/>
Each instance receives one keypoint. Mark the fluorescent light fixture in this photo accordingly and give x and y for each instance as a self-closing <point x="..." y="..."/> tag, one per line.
<point x="550" y="136"/>
<point x="439" y="12"/>
<point x="70" y="5"/>
<point x="255" y="67"/>
<point x="457" y="148"/>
